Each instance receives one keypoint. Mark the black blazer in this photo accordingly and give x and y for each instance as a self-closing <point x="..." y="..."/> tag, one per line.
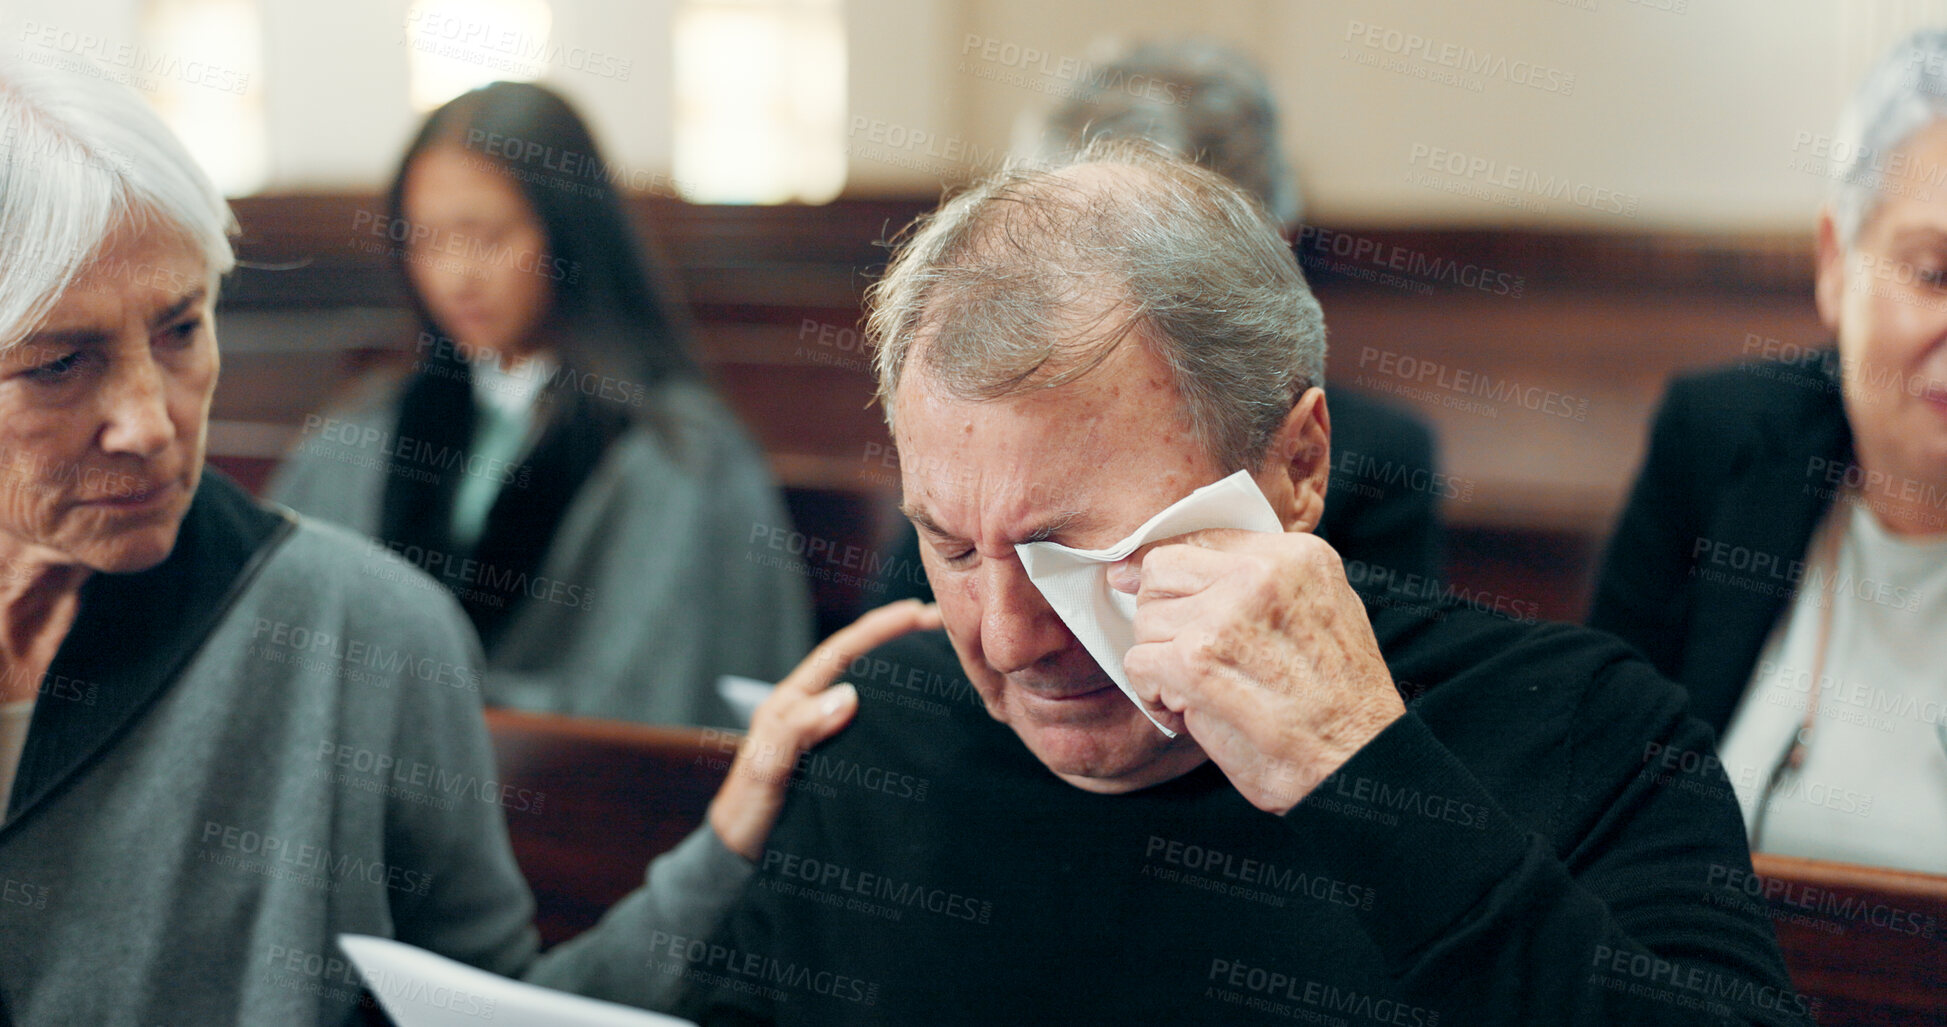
<point x="1742" y="465"/>
<point x="1381" y="506"/>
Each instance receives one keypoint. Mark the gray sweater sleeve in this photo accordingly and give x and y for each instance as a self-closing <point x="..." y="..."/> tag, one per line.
<point x="465" y="897"/>
<point x="335" y="469"/>
<point x="478" y="907"/>
<point x="634" y="955"/>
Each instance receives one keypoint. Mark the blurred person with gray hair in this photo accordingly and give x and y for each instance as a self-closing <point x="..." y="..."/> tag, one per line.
<point x="1784" y="552"/>
<point x="1161" y="766"/>
<point x="1209" y="103"/>
<point x="229" y="734"/>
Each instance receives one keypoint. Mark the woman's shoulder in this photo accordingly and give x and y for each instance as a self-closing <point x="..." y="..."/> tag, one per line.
<point x="371" y="398"/>
<point x="325" y="574"/>
<point x="1762" y="388"/>
<point x="358" y="416"/>
<point x="686" y="428"/>
<point x="1713" y="422"/>
<point x="692" y="404"/>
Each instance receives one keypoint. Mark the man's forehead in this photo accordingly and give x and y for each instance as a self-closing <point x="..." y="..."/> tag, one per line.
<point x="1020" y="509"/>
<point x="1020" y="482"/>
<point x="1014" y="483"/>
<point x="935" y="428"/>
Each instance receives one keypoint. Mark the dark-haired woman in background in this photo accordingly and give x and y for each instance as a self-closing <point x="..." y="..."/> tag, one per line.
<point x="555" y="458"/>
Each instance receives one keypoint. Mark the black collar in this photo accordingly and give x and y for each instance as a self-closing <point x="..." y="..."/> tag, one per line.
<point x="1768" y="501"/>
<point x="135" y="633"/>
<point x="431" y="454"/>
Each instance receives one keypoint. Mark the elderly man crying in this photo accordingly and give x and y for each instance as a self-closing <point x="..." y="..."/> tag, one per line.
<point x="1082" y="359"/>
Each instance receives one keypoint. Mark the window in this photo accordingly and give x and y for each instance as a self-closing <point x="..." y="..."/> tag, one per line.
<point x="458" y="45"/>
<point x="760" y="100"/>
<point x="201" y="63"/>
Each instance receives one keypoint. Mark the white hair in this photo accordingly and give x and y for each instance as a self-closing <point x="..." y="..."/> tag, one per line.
<point x="1903" y="93"/>
<point x="81" y="157"/>
<point x="1029" y="278"/>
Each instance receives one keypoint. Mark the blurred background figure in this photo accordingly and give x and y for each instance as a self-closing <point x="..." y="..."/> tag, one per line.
<point x="1209" y="102"/>
<point x="1784" y="552"/>
<point x="554" y="457"/>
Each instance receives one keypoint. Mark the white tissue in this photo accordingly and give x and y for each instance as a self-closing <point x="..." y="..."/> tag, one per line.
<point x="1076" y="581"/>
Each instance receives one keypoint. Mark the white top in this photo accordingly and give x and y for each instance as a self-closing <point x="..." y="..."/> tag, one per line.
<point x="503" y="403"/>
<point x="1873" y="788"/>
<point x="14" y="718"/>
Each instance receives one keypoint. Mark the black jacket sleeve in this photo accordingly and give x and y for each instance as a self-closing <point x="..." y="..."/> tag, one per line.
<point x="1623" y="916"/>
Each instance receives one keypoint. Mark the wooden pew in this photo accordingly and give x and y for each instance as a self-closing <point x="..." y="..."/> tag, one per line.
<point x="1869" y="945"/>
<point x="602" y="798"/>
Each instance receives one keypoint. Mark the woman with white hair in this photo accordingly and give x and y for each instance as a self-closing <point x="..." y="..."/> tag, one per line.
<point x="186" y="669"/>
<point x="1784" y="553"/>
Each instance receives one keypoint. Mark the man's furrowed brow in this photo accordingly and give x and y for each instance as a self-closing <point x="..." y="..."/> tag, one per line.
<point x="1051" y="527"/>
<point x="925" y="521"/>
<point x="1042" y="532"/>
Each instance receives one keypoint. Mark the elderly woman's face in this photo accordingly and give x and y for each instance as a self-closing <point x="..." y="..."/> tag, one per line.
<point x="103" y="410"/>
<point x="1887" y="300"/>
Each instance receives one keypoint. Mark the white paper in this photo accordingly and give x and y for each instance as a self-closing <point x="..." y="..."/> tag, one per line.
<point x="421" y="989"/>
<point x="743" y="695"/>
<point x="1076" y="581"/>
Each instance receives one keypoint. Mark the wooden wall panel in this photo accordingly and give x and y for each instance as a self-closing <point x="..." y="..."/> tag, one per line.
<point x="1537" y="356"/>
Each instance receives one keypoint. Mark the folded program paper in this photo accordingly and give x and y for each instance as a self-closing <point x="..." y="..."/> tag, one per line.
<point x="421" y="989"/>
<point x="1076" y="581"/>
<point x="743" y="696"/>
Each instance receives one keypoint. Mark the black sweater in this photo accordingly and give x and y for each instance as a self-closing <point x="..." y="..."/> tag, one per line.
<point x="1524" y="846"/>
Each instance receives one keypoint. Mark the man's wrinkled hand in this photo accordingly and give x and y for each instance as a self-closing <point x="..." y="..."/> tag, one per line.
<point x="1261" y="645"/>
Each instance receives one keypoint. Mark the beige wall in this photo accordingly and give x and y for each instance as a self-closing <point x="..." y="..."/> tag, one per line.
<point x="1686" y="118"/>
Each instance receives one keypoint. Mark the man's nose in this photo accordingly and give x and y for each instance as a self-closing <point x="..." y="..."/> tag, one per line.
<point x="137" y="411"/>
<point x="1018" y="628"/>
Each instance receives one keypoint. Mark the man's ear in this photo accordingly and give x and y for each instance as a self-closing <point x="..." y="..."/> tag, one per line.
<point x="1829" y="287"/>
<point x="1298" y="463"/>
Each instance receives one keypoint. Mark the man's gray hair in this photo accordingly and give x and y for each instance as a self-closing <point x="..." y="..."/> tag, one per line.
<point x="1903" y="93"/>
<point x="1029" y="278"/>
<point x="1198" y="98"/>
<point x="79" y="158"/>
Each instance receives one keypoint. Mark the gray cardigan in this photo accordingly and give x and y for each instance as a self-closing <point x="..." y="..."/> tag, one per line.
<point x="667" y="557"/>
<point x="191" y="832"/>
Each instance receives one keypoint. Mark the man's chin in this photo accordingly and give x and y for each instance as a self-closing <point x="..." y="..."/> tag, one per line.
<point x="1114" y="755"/>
